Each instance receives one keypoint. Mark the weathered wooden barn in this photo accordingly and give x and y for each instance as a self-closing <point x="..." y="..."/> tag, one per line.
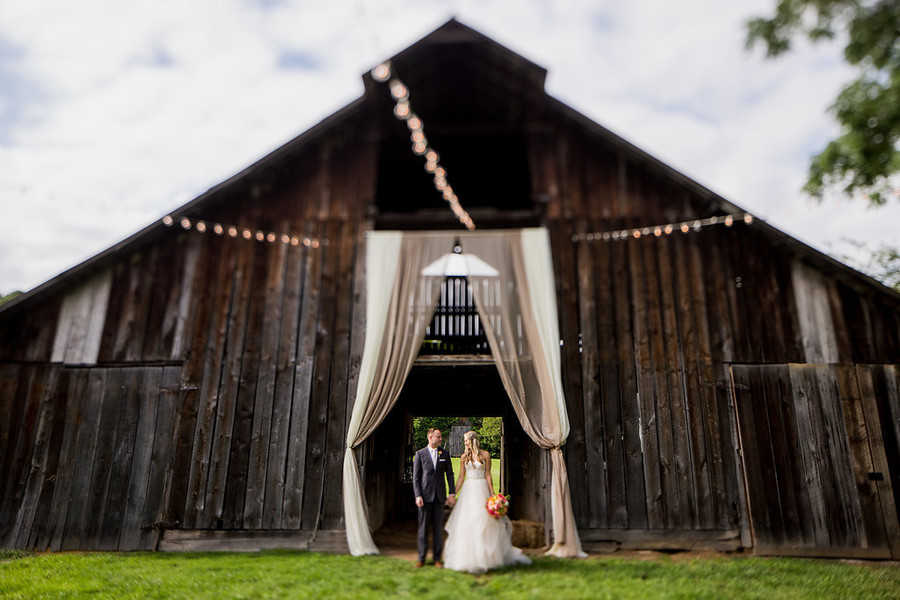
<point x="728" y="387"/>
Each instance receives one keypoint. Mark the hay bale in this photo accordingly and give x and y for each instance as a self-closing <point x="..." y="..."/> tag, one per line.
<point x="527" y="534"/>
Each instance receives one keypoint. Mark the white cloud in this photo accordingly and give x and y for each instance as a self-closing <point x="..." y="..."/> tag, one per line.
<point x="125" y="110"/>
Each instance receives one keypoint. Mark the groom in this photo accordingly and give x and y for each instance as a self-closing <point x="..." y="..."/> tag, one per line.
<point x="430" y="467"/>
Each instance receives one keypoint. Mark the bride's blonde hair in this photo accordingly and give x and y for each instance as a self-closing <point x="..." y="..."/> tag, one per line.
<point x="472" y="453"/>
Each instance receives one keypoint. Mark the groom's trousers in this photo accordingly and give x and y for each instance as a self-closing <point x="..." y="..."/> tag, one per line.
<point x="431" y="517"/>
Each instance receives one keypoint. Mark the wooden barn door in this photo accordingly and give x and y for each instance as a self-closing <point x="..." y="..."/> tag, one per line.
<point x="818" y="480"/>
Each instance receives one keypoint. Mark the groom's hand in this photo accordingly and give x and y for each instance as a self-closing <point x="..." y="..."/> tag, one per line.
<point x="420" y="502"/>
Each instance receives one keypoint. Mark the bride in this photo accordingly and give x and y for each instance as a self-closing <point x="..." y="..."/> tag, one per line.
<point x="477" y="541"/>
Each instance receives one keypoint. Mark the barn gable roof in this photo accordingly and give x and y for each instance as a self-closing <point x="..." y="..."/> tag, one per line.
<point x="495" y="78"/>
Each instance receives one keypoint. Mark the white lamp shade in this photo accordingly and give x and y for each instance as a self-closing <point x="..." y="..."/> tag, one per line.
<point x="459" y="265"/>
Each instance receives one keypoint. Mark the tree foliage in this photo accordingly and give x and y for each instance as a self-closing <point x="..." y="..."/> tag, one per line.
<point x="865" y="155"/>
<point x="488" y="429"/>
<point x="421" y="425"/>
<point x="490" y="432"/>
<point x="883" y="262"/>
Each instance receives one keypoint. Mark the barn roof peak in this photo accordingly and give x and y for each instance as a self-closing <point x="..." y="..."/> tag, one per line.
<point x="468" y="48"/>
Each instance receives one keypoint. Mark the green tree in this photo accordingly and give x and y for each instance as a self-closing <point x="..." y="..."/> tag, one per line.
<point x="487" y="428"/>
<point x="421" y="425"/>
<point x="491" y="428"/>
<point x="865" y="155"/>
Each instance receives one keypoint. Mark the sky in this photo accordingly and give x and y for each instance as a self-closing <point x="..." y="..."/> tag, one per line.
<point x="114" y="113"/>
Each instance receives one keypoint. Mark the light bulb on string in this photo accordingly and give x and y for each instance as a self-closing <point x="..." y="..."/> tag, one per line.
<point x="729" y="221"/>
<point x="185" y="223"/>
<point x="382" y="72"/>
<point x="217" y="229"/>
<point x="168" y="220"/>
<point x="398" y="90"/>
<point x="201" y="226"/>
<point x="685" y="228"/>
<point x="748" y="218"/>
<point x="402" y="109"/>
<point x="232" y="231"/>
<point x="668" y="229"/>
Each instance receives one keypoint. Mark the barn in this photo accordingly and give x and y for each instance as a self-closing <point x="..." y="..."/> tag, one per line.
<point x="671" y="372"/>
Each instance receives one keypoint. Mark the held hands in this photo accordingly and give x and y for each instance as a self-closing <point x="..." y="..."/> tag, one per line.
<point x="451" y="500"/>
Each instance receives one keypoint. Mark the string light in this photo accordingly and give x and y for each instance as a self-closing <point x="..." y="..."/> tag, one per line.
<point x="660" y="230"/>
<point x="402" y="110"/>
<point x="271" y="237"/>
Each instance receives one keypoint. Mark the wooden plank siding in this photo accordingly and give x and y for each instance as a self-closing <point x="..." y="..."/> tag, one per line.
<point x="811" y="437"/>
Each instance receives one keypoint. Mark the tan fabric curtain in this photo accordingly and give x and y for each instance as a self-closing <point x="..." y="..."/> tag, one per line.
<point x="522" y="331"/>
<point x="400" y="303"/>
<point x="517" y="307"/>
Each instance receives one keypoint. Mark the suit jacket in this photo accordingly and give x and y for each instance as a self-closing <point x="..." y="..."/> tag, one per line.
<point x="427" y="478"/>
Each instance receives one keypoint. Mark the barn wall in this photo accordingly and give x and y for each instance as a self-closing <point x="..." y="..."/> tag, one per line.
<point x="261" y="342"/>
<point x="651" y="328"/>
<point x="264" y="430"/>
<point x="816" y="448"/>
<point x="86" y="455"/>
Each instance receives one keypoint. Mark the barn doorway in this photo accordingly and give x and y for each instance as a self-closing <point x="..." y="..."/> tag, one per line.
<point x="454" y="375"/>
<point x="510" y="276"/>
<point x="469" y="388"/>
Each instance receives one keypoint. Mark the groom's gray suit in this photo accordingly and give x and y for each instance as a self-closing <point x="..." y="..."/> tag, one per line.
<point x="428" y="482"/>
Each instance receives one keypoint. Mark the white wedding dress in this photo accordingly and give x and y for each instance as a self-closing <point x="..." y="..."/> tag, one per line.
<point x="477" y="541"/>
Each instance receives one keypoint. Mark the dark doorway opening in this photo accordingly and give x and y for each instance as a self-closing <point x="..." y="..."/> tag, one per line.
<point x="445" y="390"/>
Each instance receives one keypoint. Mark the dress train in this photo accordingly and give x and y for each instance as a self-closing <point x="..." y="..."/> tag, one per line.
<point x="477" y="541"/>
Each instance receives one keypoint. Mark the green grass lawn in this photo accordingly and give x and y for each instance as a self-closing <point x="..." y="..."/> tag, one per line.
<point x="284" y="574"/>
<point x="495" y="471"/>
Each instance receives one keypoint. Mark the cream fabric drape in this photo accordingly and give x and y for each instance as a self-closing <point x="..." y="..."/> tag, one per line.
<point x="518" y="311"/>
<point x="399" y="305"/>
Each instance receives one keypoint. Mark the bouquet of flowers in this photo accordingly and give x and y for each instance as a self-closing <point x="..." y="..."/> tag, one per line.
<point x="497" y="505"/>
